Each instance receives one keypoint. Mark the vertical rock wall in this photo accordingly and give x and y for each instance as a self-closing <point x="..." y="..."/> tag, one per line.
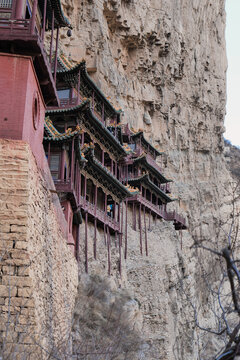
<point x="38" y="273"/>
<point x="164" y="64"/>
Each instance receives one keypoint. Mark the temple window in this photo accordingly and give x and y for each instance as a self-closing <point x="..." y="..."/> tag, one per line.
<point x="6" y="4"/>
<point x="64" y="93"/>
<point x="55" y="165"/>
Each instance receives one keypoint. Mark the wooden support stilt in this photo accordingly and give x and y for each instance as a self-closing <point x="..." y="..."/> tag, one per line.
<point x="72" y="163"/>
<point x="104" y="231"/>
<point x="126" y="237"/>
<point x="56" y="55"/>
<point x="33" y="19"/>
<point x="120" y="255"/>
<point x="149" y="225"/>
<point x="109" y="250"/>
<point x="145" y="227"/>
<point x="115" y="238"/>
<point x="86" y="242"/>
<point x="95" y="200"/>
<point x="77" y="243"/>
<point x="121" y="223"/>
<point x="51" y="42"/>
<point x="95" y="239"/>
<point x="85" y="188"/>
<point x="134" y="217"/>
<point x="140" y="228"/>
<point x="44" y="19"/>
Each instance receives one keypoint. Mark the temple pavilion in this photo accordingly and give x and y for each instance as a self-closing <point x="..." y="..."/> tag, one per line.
<point x="97" y="163"/>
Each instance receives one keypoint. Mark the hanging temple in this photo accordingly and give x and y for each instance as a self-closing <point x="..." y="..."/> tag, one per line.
<point x="100" y="166"/>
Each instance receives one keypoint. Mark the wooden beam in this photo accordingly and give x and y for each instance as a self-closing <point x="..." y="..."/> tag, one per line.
<point x="140" y="229"/>
<point x="145" y="227"/>
<point x="44" y="19"/>
<point x="104" y="234"/>
<point x="149" y="226"/>
<point x="62" y="164"/>
<point x="95" y="200"/>
<point x="120" y="255"/>
<point x="33" y="19"/>
<point x="126" y="223"/>
<point x="109" y="250"/>
<point x="56" y="55"/>
<point x="72" y="163"/>
<point x="86" y="242"/>
<point x="95" y="239"/>
<point x="121" y="228"/>
<point x="85" y="187"/>
<point x="77" y="243"/>
<point x="51" y="42"/>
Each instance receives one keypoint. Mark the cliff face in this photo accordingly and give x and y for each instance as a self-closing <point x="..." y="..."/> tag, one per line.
<point x="164" y="64"/>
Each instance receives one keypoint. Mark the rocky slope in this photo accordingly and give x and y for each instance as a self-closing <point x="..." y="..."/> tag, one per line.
<point x="232" y="156"/>
<point x="164" y="64"/>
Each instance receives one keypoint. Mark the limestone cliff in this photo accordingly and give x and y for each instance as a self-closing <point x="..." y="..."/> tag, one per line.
<point x="164" y="64"/>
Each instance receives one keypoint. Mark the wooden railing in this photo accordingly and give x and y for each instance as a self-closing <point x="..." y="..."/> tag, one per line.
<point x="69" y="102"/>
<point x="174" y="216"/>
<point x="165" y="188"/>
<point x="5" y="4"/>
<point x="15" y="27"/>
<point x="98" y="213"/>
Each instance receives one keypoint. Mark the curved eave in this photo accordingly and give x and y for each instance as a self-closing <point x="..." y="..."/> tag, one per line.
<point x="70" y="110"/>
<point x="140" y="134"/>
<point x="113" y="141"/>
<point x="84" y="108"/>
<point x="92" y="161"/>
<point x="145" y="180"/>
<point x="155" y="171"/>
<point x="84" y="75"/>
<point x="60" y="18"/>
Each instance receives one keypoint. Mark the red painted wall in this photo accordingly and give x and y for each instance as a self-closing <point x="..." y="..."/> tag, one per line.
<point x="19" y="89"/>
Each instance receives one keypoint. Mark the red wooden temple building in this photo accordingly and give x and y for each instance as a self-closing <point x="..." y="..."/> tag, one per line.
<point x="100" y="167"/>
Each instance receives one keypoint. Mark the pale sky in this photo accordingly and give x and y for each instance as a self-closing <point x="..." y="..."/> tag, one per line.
<point x="232" y="120"/>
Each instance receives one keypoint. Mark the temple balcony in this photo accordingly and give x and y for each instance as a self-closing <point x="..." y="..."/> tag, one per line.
<point x="98" y="214"/>
<point x="155" y="209"/>
<point x="178" y="220"/>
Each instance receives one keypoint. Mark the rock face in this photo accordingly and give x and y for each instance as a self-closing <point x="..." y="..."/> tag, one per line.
<point x="164" y="64"/>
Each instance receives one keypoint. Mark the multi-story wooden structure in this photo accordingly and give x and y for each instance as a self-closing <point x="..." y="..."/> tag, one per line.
<point x="97" y="164"/>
